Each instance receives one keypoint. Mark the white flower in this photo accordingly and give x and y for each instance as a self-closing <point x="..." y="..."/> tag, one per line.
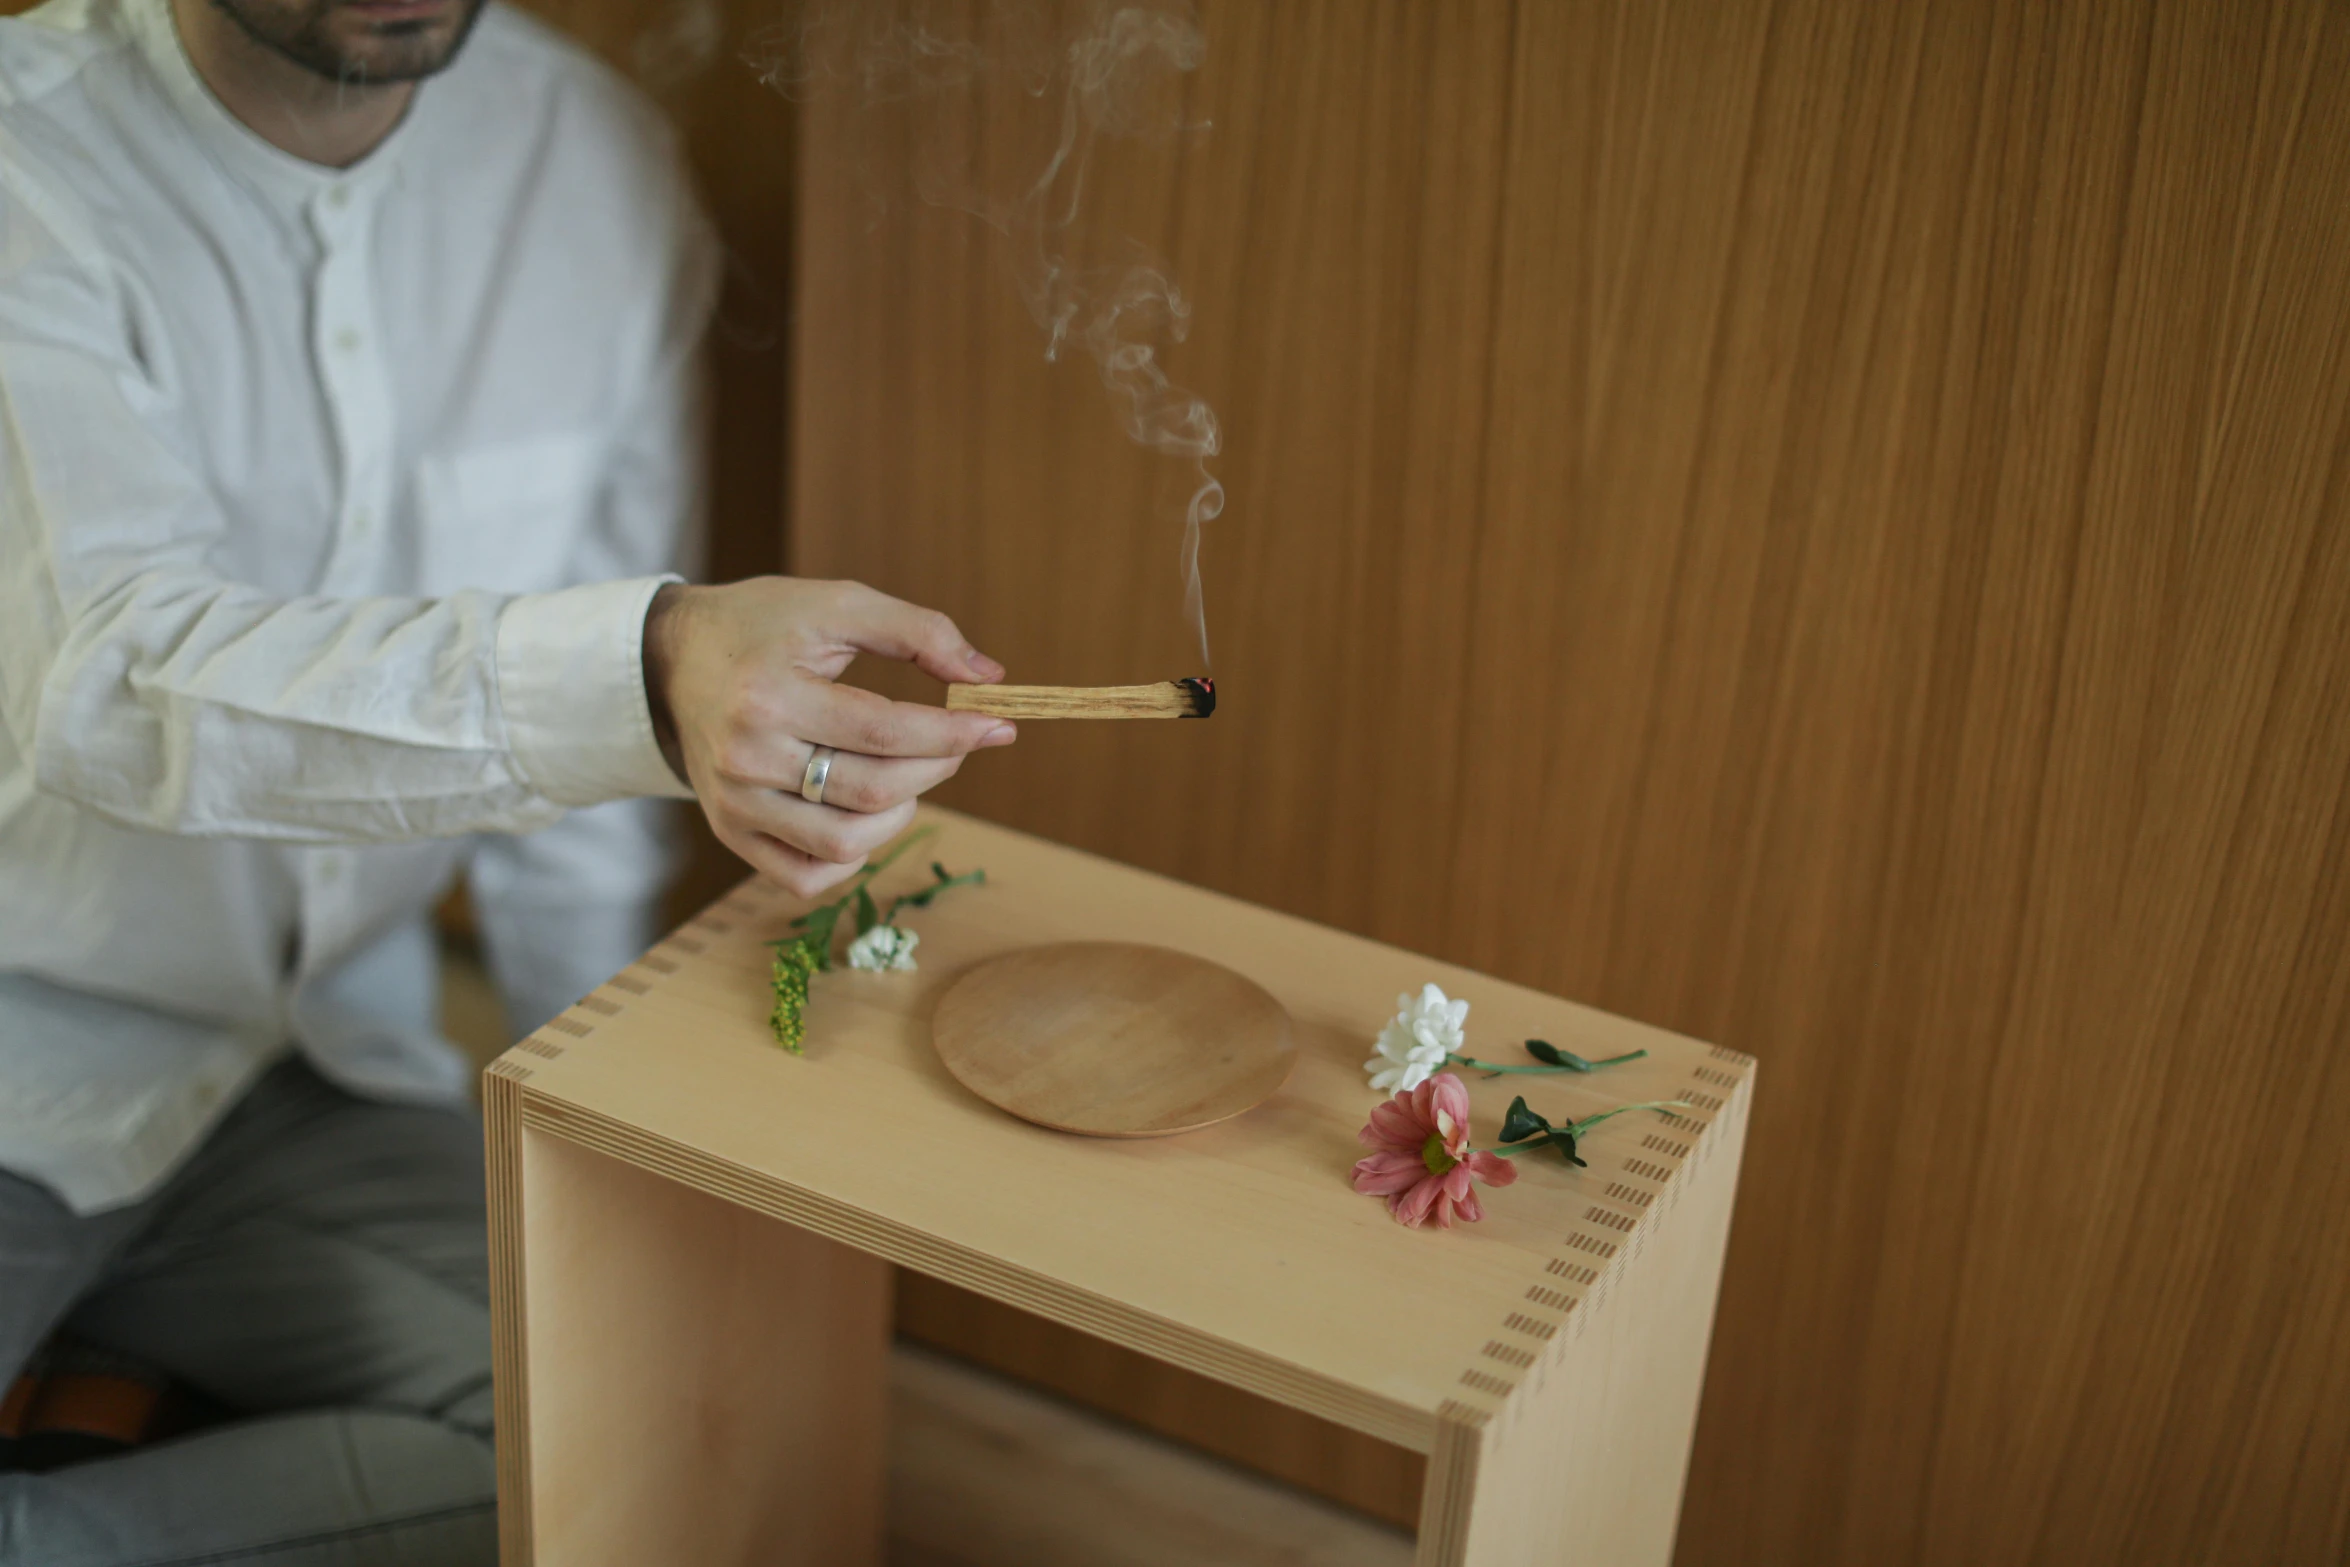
<point x="884" y="947"/>
<point x="1412" y="1047"/>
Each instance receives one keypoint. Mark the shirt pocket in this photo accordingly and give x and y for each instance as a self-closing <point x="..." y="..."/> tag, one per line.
<point x="509" y="517"/>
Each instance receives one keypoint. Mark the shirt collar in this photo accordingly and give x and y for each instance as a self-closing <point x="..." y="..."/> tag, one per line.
<point x="273" y="170"/>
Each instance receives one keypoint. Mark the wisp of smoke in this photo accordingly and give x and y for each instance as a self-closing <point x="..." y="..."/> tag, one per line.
<point x="1107" y="62"/>
<point x="678" y="45"/>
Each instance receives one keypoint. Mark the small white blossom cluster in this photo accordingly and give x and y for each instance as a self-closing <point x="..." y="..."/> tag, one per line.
<point x="1413" y="1046"/>
<point x="884" y="947"/>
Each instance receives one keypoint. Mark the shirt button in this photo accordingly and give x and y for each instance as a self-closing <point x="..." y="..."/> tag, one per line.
<point x="330" y="869"/>
<point x="339" y="196"/>
<point x="347" y="340"/>
<point x="362" y="521"/>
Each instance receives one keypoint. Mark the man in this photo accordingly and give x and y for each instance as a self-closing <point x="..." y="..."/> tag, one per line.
<point x="346" y="411"/>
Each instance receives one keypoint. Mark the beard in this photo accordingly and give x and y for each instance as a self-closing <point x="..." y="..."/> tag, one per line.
<point x="345" y="44"/>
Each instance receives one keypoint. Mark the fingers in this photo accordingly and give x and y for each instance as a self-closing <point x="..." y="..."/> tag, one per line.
<point x="799" y="873"/>
<point x="769" y="740"/>
<point x="859" y="721"/>
<point x="807" y="848"/>
<point x="803" y="848"/>
<point x="876" y="783"/>
<point x="748" y="681"/>
<point x="822" y="832"/>
<point x="877" y="623"/>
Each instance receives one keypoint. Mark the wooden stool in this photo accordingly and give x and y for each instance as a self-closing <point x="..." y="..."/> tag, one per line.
<point x="692" y="1232"/>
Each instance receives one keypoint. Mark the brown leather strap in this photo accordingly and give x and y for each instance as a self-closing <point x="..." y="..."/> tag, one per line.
<point x="119" y="1409"/>
<point x="17" y="1403"/>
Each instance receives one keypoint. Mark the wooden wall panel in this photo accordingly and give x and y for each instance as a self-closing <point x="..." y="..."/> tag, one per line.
<point x="1820" y="525"/>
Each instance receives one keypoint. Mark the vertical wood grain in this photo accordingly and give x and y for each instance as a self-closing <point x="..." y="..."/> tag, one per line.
<point x="706" y="1385"/>
<point x="1819" y="525"/>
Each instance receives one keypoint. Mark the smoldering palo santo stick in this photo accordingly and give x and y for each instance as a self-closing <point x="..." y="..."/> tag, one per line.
<point x="1189" y="698"/>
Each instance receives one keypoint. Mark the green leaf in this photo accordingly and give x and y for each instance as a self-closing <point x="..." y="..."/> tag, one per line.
<point x="1564" y="1142"/>
<point x="799" y="957"/>
<point x="929" y="894"/>
<point x="1544" y="1050"/>
<point x="820" y="927"/>
<point x="1522" y="1123"/>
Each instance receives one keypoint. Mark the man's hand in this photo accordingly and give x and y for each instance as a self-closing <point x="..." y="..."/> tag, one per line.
<point x="740" y="678"/>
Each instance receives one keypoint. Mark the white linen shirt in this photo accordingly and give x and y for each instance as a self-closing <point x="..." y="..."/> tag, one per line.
<point x="331" y="502"/>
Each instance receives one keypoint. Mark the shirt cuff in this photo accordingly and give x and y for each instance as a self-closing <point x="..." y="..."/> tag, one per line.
<point x="571" y="678"/>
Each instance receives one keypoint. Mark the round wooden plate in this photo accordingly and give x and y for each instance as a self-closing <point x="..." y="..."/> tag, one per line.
<point x="1112" y="1039"/>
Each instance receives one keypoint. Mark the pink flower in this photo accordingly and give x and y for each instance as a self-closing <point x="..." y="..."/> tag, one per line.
<point x="1423" y="1165"/>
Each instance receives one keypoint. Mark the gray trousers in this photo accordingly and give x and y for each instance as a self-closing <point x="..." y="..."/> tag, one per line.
<point x="319" y="1265"/>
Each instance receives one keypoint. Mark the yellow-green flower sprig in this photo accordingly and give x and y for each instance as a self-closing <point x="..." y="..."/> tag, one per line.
<point x="794" y="962"/>
<point x="799" y="958"/>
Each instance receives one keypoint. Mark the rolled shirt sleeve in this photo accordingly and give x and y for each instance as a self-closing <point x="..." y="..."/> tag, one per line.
<point x="331" y="504"/>
<point x="571" y="682"/>
<point x="152" y="689"/>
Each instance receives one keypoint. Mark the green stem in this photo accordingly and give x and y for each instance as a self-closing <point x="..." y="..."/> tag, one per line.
<point x="923" y="898"/>
<point x="1578" y="1128"/>
<point x="1496" y="1069"/>
<point x="1588" y="1122"/>
<point x="872" y="869"/>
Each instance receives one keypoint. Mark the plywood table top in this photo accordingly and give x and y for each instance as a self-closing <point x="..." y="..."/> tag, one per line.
<point x="1239" y="1250"/>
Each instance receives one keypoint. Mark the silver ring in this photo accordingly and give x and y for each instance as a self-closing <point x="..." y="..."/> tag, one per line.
<point x="819" y="769"/>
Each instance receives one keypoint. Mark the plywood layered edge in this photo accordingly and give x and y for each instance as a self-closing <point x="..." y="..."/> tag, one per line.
<point x="1677" y="1155"/>
<point x="1614" y="1229"/>
<point x="1692" y="1151"/>
<point x="502" y="1134"/>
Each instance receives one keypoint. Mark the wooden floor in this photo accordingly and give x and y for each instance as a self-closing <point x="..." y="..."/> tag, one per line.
<point x="986" y="1472"/>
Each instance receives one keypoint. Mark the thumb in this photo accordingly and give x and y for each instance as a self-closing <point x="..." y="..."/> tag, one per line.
<point x="876" y="623"/>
